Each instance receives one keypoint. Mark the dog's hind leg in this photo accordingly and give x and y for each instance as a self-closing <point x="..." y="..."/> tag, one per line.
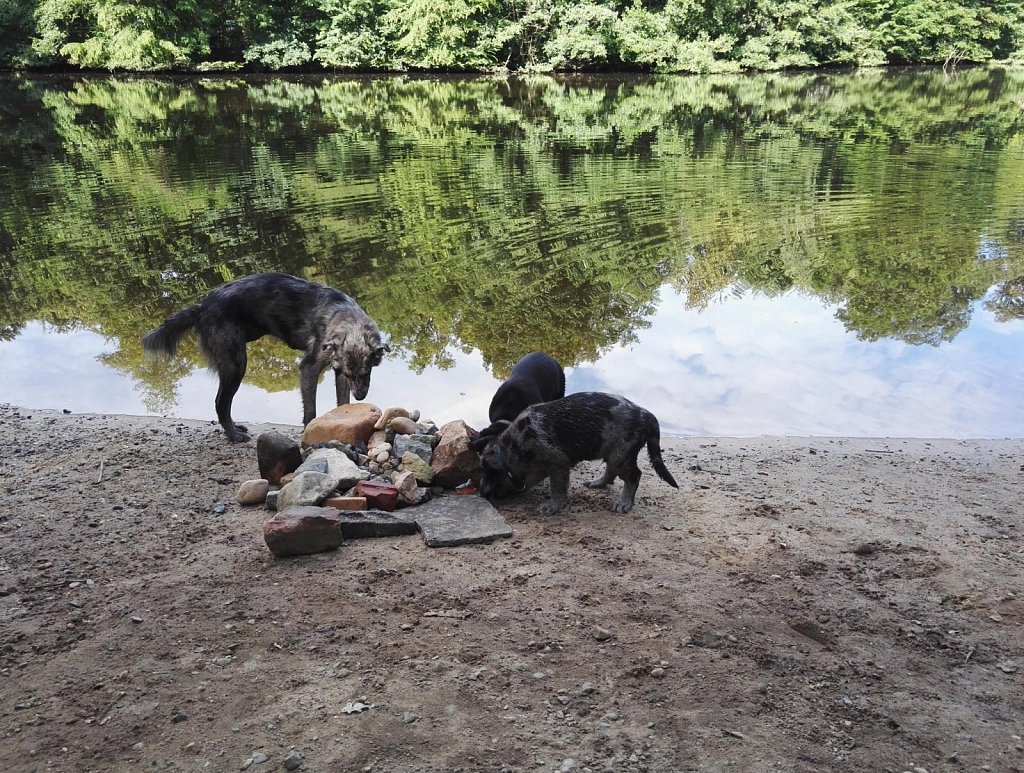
<point x="625" y="466"/>
<point x="631" y="482"/>
<point x="559" y="492"/>
<point x="225" y="349"/>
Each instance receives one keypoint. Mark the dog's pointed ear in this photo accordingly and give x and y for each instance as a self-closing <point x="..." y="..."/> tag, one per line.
<point x="488" y="435"/>
<point x="377" y="343"/>
<point x="479" y="444"/>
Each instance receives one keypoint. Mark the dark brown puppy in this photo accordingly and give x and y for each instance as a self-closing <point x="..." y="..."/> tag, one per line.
<point x="546" y="440"/>
<point x="324" y="323"/>
<point x="536" y="378"/>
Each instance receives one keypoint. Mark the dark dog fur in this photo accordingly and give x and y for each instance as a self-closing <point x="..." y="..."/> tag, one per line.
<point x="324" y="323"/>
<point x="546" y="440"/>
<point x="536" y="378"/>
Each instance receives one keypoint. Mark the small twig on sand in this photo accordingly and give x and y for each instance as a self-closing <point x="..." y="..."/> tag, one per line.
<point x="969" y="654"/>
<point x="100" y="478"/>
<point x="878" y="451"/>
<point x="698" y="468"/>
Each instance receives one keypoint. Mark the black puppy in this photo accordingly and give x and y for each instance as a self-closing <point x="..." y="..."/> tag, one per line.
<point x="546" y="440"/>
<point x="324" y="323"/>
<point x="536" y="378"/>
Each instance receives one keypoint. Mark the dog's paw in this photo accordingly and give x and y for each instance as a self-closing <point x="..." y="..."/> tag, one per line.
<point x="549" y="508"/>
<point x="596" y="483"/>
<point x="622" y="507"/>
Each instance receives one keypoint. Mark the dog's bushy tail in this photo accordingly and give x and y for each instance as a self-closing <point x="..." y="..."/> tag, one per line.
<point x="164" y="339"/>
<point x="654" y="451"/>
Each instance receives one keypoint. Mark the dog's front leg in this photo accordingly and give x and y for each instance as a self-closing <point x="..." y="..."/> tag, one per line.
<point x="309" y="374"/>
<point x="559" y="492"/>
<point x="341" y="387"/>
<point x="606" y="477"/>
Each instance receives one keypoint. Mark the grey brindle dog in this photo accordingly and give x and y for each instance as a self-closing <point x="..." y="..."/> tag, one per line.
<point x="546" y="440"/>
<point x="323" y="322"/>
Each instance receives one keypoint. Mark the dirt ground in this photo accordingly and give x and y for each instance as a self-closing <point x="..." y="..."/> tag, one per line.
<point x="798" y="604"/>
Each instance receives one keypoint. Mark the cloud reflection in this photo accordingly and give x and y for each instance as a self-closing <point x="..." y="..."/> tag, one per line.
<point x="743" y="367"/>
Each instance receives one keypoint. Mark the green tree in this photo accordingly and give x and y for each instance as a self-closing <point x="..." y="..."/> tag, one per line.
<point x="353" y="38"/>
<point x="120" y="35"/>
<point x="442" y="34"/>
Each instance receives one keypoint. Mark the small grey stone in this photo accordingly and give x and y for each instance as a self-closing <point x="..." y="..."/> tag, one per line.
<point x="293" y="761"/>
<point x="602" y="634"/>
<point x="308" y="488"/>
<point x="346" y="473"/>
<point x="314" y="464"/>
<point x="219" y="508"/>
<point x="430" y="439"/>
<point x="345" y="448"/>
<point x="259" y="757"/>
<point x="272" y="499"/>
<point x="405" y="443"/>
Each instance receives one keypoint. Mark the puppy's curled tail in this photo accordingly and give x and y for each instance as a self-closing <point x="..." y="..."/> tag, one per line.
<point x="164" y="339"/>
<point x="654" y="451"/>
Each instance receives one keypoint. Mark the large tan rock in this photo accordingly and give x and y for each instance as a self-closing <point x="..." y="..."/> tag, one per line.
<point x="454" y="462"/>
<point x="350" y="424"/>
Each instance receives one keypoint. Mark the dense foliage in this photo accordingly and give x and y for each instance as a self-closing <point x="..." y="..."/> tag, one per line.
<point x="504" y="215"/>
<point x="481" y="35"/>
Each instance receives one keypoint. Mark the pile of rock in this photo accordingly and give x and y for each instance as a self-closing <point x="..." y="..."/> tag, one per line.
<point x="355" y="458"/>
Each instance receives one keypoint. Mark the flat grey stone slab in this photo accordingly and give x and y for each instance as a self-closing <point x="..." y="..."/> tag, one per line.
<point x="459" y="520"/>
<point x="377" y="523"/>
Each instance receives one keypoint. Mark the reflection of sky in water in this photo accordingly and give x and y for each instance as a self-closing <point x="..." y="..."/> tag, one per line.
<point x="752" y="366"/>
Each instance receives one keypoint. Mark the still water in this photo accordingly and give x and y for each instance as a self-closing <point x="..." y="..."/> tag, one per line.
<point x="801" y="254"/>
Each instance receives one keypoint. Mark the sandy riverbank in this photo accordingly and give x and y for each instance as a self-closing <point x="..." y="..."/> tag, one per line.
<point x="798" y="604"/>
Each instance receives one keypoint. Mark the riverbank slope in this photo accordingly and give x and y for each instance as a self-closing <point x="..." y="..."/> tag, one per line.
<point x="798" y="604"/>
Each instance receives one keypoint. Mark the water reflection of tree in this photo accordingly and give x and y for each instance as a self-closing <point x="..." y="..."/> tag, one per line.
<point x="1007" y="300"/>
<point x="507" y="216"/>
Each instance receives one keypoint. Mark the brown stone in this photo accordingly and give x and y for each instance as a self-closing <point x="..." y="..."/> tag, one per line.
<point x="380" y="496"/>
<point x="378" y="438"/>
<point x="276" y="455"/>
<point x="301" y="530"/>
<point x="403" y="426"/>
<point x="253" y="492"/>
<point x="350" y="424"/>
<point x="454" y="462"/>
<point x="346" y="503"/>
